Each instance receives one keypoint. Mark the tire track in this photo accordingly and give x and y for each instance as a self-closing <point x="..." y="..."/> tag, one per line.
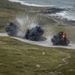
<point x="46" y="43"/>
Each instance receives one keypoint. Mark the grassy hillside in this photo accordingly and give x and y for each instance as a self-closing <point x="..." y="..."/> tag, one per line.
<point x="10" y="10"/>
<point x="18" y="58"/>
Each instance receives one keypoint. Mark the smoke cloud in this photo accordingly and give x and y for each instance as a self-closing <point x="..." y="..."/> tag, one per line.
<point x="25" y="23"/>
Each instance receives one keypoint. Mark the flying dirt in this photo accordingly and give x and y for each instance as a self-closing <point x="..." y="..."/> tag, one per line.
<point x="46" y="43"/>
<point x="34" y="34"/>
<point x="12" y="29"/>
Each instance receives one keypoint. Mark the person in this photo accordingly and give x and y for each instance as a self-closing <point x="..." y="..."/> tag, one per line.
<point x="64" y="35"/>
<point x="63" y="39"/>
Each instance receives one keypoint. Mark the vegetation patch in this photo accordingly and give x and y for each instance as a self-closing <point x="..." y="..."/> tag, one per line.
<point x="18" y="58"/>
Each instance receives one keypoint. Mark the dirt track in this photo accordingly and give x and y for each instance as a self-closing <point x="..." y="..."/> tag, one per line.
<point x="46" y="43"/>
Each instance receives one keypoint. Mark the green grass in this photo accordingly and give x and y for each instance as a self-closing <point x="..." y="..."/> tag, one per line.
<point x="10" y="10"/>
<point x="18" y="58"/>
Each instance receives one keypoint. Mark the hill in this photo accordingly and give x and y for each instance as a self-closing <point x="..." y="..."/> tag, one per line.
<point x="18" y="58"/>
